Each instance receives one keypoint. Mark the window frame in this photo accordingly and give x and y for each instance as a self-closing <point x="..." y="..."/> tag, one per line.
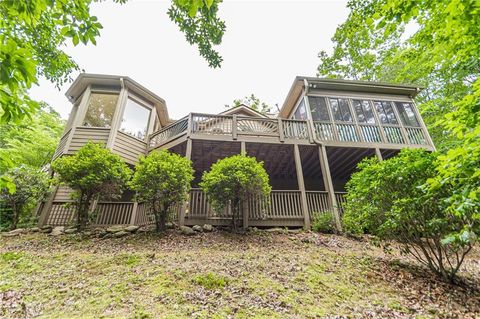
<point x="299" y="102"/>
<point x="142" y="103"/>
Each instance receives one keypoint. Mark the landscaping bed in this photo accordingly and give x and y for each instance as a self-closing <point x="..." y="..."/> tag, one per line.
<point x="222" y="275"/>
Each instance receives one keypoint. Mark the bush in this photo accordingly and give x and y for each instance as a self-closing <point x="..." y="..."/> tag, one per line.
<point x="390" y="199"/>
<point x="232" y="180"/>
<point x="323" y="223"/>
<point x="162" y="179"/>
<point x="31" y="184"/>
<point x="92" y="172"/>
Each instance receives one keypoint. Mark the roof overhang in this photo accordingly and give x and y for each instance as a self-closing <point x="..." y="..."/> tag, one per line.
<point x="302" y="82"/>
<point x="118" y="81"/>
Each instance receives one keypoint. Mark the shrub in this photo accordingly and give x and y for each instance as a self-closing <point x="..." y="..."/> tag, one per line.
<point x="390" y="199"/>
<point x="323" y="223"/>
<point x="92" y="172"/>
<point x="31" y="184"/>
<point x="162" y="179"/>
<point x="232" y="180"/>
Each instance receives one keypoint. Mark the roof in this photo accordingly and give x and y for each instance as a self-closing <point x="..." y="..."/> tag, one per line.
<point x="302" y="82"/>
<point x="84" y="79"/>
<point x="242" y="108"/>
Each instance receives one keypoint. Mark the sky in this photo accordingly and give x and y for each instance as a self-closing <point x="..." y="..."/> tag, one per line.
<point x="266" y="44"/>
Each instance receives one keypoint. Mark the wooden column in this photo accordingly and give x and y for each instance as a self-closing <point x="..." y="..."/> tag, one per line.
<point x="134" y="213"/>
<point x="42" y="220"/>
<point x="327" y="180"/>
<point x="188" y="154"/>
<point x="243" y="148"/>
<point x="234" y="127"/>
<point x="301" y="186"/>
<point x="379" y="154"/>
<point x="281" y="134"/>
<point x="117" y="116"/>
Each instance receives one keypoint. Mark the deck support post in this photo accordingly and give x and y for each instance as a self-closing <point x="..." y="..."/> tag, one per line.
<point x="133" y="218"/>
<point x="243" y="148"/>
<point x="44" y="214"/>
<point x="301" y="186"/>
<point x="188" y="155"/>
<point x="379" y="154"/>
<point x="234" y="127"/>
<point x="327" y="181"/>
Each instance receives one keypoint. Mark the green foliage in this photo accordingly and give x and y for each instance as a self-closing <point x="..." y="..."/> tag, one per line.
<point x="32" y="141"/>
<point x="390" y="199"/>
<point x="31" y="184"/>
<point x="92" y="172"/>
<point x="323" y="223"/>
<point x="253" y="102"/>
<point x="32" y="33"/>
<point x="210" y="281"/>
<point x="162" y="179"/>
<point x="198" y="20"/>
<point x="232" y="180"/>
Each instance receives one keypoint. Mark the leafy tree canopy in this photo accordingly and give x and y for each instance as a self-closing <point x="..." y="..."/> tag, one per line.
<point x="163" y="180"/>
<point x="253" y="102"/>
<point x="92" y="172"/>
<point x="232" y="180"/>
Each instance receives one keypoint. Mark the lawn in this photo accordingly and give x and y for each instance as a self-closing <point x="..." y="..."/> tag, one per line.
<point x="222" y="275"/>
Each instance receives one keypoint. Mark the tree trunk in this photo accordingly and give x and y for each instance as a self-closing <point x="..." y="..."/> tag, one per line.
<point x="235" y="212"/>
<point x="84" y="204"/>
<point x="15" y="217"/>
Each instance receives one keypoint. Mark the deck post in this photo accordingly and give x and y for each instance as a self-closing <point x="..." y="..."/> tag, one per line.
<point x="188" y="154"/>
<point x="134" y="213"/>
<point x="243" y="148"/>
<point x="327" y="181"/>
<point x="234" y="127"/>
<point x="281" y="134"/>
<point x="301" y="186"/>
<point x="379" y="154"/>
<point x="42" y="220"/>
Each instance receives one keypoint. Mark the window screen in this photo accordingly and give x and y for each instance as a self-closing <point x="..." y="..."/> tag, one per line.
<point x="301" y="112"/>
<point x="340" y="110"/>
<point x="318" y="107"/>
<point x="385" y="112"/>
<point x="364" y="111"/>
<point x="407" y="115"/>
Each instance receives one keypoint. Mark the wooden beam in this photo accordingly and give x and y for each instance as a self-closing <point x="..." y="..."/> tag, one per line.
<point x="42" y="220"/>
<point x="379" y="154"/>
<point x="188" y="155"/>
<point x="243" y="148"/>
<point x="327" y="180"/>
<point x="133" y="218"/>
<point x="301" y="186"/>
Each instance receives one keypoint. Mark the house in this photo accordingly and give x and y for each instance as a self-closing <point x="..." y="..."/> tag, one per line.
<point x="323" y="130"/>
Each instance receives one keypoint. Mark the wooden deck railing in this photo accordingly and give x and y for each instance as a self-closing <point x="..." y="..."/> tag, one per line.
<point x="288" y="129"/>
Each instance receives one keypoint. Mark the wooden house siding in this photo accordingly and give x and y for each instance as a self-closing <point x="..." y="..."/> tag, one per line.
<point x="82" y="135"/>
<point x="128" y="147"/>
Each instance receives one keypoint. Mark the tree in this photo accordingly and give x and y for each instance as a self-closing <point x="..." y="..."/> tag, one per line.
<point x="32" y="33"/>
<point x="31" y="184"/>
<point x="392" y="200"/>
<point x="92" y="172"/>
<point x="233" y="180"/>
<point x="162" y="179"/>
<point x="252" y="102"/>
<point x="32" y="141"/>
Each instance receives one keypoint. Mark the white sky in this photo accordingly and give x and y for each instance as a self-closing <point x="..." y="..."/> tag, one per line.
<point x="266" y="44"/>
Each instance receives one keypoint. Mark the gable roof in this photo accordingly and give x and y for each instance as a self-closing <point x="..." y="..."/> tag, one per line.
<point x="243" y="109"/>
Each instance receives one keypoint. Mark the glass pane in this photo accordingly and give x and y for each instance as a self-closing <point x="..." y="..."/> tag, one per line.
<point x="100" y="110"/>
<point x="301" y="112"/>
<point x="318" y="107"/>
<point x="364" y="111"/>
<point x="340" y="110"/>
<point x="407" y="114"/>
<point x="385" y="112"/>
<point x="135" y="119"/>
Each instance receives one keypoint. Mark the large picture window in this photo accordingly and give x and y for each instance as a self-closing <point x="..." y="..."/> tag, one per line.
<point x="100" y="110"/>
<point x="301" y="112"/>
<point x="318" y="107"/>
<point x="135" y="119"/>
<point x="407" y="115"/>
<point x="340" y="110"/>
<point x="385" y="112"/>
<point x="364" y="111"/>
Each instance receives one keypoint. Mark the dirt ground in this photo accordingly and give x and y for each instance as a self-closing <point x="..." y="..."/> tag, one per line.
<point x="223" y="275"/>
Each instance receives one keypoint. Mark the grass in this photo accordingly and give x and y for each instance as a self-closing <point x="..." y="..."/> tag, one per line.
<point x="218" y="275"/>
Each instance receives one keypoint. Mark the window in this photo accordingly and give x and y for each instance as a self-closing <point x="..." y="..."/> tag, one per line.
<point x="407" y="115"/>
<point x="385" y="112"/>
<point x="318" y="107"/>
<point x="301" y="112"/>
<point x="135" y="119"/>
<point x="364" y="111"/>
<point x="100" y="110"/>
<point x="340" y="110"/>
